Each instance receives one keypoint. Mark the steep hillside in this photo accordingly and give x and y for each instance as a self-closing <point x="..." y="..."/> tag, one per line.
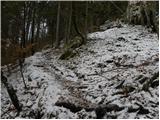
<point x="115" y="75"/>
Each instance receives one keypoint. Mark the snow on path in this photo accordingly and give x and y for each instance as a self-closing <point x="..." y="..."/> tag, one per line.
<point x="44" y="90"/>
<point x="92" y="74"/>
<point x="129" y="45"/>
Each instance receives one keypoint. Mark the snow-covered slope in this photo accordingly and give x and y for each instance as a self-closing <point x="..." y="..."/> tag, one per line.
<point x="112" y="68"/>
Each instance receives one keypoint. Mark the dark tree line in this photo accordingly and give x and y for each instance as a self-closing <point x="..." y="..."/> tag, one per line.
<point x="52" y="23"/>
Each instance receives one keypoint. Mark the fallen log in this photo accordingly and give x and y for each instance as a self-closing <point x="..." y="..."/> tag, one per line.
<point x="103" y="108"/>
<point x="77" y="105"/>
<point x="70" y="106"/>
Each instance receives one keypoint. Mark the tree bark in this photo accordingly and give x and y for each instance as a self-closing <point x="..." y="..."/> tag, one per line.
<point x="11" y="92"/>
<point x="21" y="70"/>
<point x="38" y="30"/>
<point x="28" y="21"/>
<point x="33" y="27"/>
<point x="86" y="22"/>
<point x="69" y="24"/>
<point x="57" y="26"/>
<point x="75" y="22"/>
<point x="24" y="30"/>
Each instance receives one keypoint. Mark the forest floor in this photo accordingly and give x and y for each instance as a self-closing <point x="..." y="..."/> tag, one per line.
<point x="113" y="76"/>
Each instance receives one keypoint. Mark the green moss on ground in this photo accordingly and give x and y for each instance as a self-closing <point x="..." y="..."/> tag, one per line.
<point x="69" y="49"/>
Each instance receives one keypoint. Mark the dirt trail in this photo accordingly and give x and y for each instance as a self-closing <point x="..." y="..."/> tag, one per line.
<point x="114" y="76"/>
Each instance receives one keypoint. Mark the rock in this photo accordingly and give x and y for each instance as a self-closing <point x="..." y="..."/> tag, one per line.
<point x="135" y="39"/>
<point x="139" y="77"/>
<point x="119" y="25"/>
<point x="121" y="39"/>
<point x="143" y="110"/>
<point x="142" y="80"/>
<point x="86" y="115"/>
<point x="101" y="65"/>
<point x="125" y="90"/>
<point x="100" y="86"/>
<point x="72" y="67"/>
<point x="130" y="88"/>
<point x="34" y="114"/>
<point x="102" y="100"/>
<point x="155" y="76"/>
<point x="38" y="65"/>
<point x="155" y="84"/>
<point x="109" y="61"/>
<point x="152" y="82"/>
<point x="132" y="109"/>
<point x="146" y="86"/>
<point x="110" y="50"/>
<point x="81" y="76"/>
<point x="119" y="92"/>
<point x="100" y="113"/>
<point x="92" y="52"/>
<point x="29" y="103"/>
<point x="118" y="45"/>
<point x="29" y="78"/>
<point x="102" y="109"/>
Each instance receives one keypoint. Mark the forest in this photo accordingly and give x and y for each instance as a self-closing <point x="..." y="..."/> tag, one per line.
<point x="80" y="59"/>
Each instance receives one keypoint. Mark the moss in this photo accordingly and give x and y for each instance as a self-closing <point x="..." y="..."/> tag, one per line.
<point x="74" y="43"/>
<point x="69" y="49"/>
<point x="67" y="54"/>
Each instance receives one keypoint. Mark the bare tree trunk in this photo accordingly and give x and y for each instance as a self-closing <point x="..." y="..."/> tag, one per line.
<point x="75" y="22"/>
<point x="86" y="22"/>
<point x="37" y="32"/>
<point x="33" y="27"/>
<point x="66" y="30"/>
<point x="24" y="30"/>
<point x="28" y="21"/>
<point x="57" y="27"/>
<point x="69" y="25"/>
<point x="21" y="70"/>
<point x="11" y="92"/>
<point x="23" y="40"/>
<point x="52" y="36"/>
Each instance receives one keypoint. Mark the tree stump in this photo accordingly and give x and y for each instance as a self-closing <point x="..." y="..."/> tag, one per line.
<point x="11" y="92"/>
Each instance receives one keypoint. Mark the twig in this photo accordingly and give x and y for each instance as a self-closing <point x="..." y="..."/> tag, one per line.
<point x="106" y="71"/>
<point x="6" y="112"/>
<point x="21" y="68"/>
<point x="117" y="7"/>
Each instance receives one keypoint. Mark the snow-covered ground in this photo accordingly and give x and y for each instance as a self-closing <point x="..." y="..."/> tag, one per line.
<point x="112" y="68"/>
